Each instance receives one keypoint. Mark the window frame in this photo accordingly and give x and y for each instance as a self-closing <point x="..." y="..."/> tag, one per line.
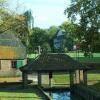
<point x="14" y="64"/>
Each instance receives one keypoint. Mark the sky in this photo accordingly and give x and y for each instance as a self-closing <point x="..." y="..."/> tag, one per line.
<point x="46" y="12"/>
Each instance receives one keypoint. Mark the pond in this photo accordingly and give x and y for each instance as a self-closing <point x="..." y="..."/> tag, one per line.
<point x="62" y="95"/>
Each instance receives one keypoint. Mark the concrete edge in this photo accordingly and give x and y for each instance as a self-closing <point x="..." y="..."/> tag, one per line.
<point x="44" y="94"/>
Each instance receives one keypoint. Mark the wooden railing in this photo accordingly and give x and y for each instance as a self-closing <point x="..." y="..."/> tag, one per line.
<point x="86" y="92"/>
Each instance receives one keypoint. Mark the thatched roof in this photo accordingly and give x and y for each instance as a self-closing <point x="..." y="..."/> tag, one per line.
<point x="11" y="47"/>
<point x="93" y="65"/>
<point x="52" y="62"/>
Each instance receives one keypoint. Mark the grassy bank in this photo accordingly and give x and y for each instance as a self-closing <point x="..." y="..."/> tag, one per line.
<point x="12" y="93"/>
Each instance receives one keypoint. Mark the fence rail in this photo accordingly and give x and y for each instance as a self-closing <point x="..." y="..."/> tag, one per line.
<point x="86" y="92"/>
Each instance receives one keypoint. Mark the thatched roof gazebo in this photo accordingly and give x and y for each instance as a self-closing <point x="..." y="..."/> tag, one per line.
<point x="52" y="62"/>
<point x="48" y="63"/>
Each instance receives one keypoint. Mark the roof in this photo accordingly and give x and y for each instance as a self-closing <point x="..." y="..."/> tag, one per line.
<point x="9" y="38"/>
<point x="92" y="65"/>
<point x="52" y="62"/>
<point x="58" y="33"/>
<point x="11" y="47"/>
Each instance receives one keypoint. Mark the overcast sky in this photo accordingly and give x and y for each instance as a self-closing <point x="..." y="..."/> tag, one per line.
<point x="46" y="12"/>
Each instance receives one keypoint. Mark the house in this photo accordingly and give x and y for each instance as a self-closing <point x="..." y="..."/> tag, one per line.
<point x="12" y="54"/>
<point x="58" y="40"/>
<point x="62" y="41"/>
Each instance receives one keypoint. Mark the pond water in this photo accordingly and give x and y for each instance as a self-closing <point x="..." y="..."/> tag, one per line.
<point x="63" y="95"/>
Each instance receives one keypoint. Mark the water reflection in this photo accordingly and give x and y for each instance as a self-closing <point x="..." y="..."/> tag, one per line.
<point x="63" y="95"/>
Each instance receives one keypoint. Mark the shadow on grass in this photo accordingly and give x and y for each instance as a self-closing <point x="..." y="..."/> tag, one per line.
<point x="14" y="92"/>
<point x="19" y="97"/>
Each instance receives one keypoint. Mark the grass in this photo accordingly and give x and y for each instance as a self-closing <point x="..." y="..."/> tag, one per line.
<point x="20" y="94"/>
<point x="80" y="56"/>
<point x="62" y="79"/>
<point x="96" y="56"/>
<point x="73" y="54"/>
<point x="92" y="77"/>
<point x="32" y="55"/>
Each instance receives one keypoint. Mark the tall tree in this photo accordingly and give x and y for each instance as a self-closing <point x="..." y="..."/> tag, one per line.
<point x="89" y="23"/>
<point x="29" y="21"/>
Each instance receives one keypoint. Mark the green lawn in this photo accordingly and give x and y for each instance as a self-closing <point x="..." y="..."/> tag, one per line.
<point x="80" y="56"/>
<point x="32" y="55"/>
<point x="93" y="77"/>
<point x="61" y="79"/>
<point x="73" y="54"/>
<point x="20" y="94"/>
<point x="96" y="56"/>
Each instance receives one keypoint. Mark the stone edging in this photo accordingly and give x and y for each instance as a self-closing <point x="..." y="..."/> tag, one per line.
<point x="44" y="94"/>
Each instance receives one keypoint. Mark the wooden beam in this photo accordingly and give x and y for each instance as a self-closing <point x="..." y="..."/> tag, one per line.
<point x="24" y="78"/>
<point x="71" y="78"/>
<point x="77" y="72"/>
<point x="39" y="79"/>
<point x="50" y="79"/>
<point x="85" y="76"/>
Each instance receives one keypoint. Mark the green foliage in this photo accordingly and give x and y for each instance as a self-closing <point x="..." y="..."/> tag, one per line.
<point x="89" y="23"/>
<point x="69" y="28"/>
<point x="51" y="32"/>
<point x="3" y="11"/>
<point x="39" y="37"/>
<point x="19" y="23"/>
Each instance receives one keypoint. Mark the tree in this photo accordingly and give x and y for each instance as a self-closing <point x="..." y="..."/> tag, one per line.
<point x="89" y="23"/>
<point x="29" y="21"/>
<point x="39" y="37"/>
<point x="15" y="23"/>
<point x="51" y="32"/>
<point x="20" y="23"/>
<point x="69" y="28"/>
<point x="3" y="12"/>
<point x="2" y="7"/>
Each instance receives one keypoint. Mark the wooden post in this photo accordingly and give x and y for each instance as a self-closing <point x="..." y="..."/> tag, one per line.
<point x="71" y="78"/>
<point x="24" y="78"/>
<point x="85" y="76"/>
<point x="81" y="76"/>
<point x="50" y="78"/>
<point x="39" y="79"/>
<point x="77" y="76"/>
